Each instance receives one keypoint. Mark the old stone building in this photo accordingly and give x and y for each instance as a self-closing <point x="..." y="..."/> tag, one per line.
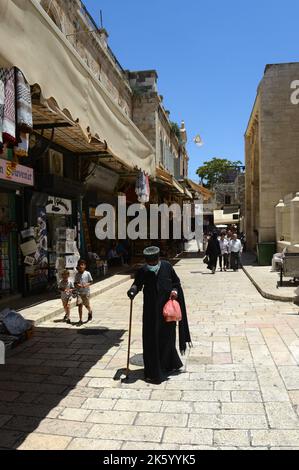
<point x="153" y="120"/>
<point x="229" y="199"/>
<point x="135" y="92"/>
<point x="272" y="150"/>
<point x="74" y="21"/>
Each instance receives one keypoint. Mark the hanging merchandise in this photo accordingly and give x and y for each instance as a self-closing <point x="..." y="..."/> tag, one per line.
<point x="23" y="146"/>
<point x="24" y="114"/>
<point x="148" y="186"/>
<point x="9" y="117"/>
<point x="2" y="96"/>
<point x="24" y="104"/>
<point x="142" y="188"/>
<point x="4" y="259"/>
<point x="16" y="121"/>
<point x="41" y="254"/>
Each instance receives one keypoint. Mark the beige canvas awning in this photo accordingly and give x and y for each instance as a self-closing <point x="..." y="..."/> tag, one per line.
<point x="167" y="179"/>
<point x="30" y="41"/>
<point x="221" y="218"/>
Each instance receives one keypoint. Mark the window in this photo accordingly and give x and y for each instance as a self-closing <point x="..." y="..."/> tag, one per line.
<point x="227" y="200"/>
<point x="53" y="13"/>
<point x="162" y="150"/>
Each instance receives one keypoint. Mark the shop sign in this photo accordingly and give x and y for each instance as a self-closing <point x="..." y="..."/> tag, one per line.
<point x="59" y="206"/>
<point x="103" y="179"/>
<point x="10" y="171"/>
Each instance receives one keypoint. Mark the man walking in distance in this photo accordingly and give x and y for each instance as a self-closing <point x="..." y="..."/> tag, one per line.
<point x="235" y="249"/>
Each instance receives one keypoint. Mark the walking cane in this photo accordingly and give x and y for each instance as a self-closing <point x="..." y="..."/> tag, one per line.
<point x="129" y="341"/>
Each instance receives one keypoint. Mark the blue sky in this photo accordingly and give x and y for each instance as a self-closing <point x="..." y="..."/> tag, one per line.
<point x="210" y="57"/>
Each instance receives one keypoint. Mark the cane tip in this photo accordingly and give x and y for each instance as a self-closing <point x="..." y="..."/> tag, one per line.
<point x="124" y="378"/>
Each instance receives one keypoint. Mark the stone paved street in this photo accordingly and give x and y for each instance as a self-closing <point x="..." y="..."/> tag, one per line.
<point x="240" y="387"/>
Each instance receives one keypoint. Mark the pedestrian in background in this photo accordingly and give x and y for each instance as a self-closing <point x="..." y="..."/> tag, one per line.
<point x="83" y="281"/>
<point x="213" y="252"/>
<point x="224" y="247"/>
<point x="229" y="236"/>
<point x="66" y="288"/>
<point x="235" y="249"/>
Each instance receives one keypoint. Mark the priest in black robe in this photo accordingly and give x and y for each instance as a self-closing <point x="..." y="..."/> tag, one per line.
<point x="160" y="282"/>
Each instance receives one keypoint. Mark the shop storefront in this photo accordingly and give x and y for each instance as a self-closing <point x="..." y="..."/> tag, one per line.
<point x="101" y="188"/>
<point x="51" y="241"/>
<point x="13" y="179"/>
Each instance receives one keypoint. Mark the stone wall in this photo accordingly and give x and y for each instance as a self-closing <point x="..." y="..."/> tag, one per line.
<point x="135" y="92"/>
<point x="287" y="223"/>
<point x="240" y="192"/>
<point x="74" y="22"/>
<point x="279" y="152"/>
<point x="153" y="120"/>
<point x="272" y="150"/>
<point x="222" y="190"/>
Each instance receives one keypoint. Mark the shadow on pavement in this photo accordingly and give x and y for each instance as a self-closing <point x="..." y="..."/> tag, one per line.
<point x="48" y="372"/>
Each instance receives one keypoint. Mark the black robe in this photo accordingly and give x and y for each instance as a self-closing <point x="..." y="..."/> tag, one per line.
<point x="213" y="252"/>
<point x="159" y="337"/>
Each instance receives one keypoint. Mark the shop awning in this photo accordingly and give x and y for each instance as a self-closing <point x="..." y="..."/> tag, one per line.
<point x="166" y="178"/>
<point x="187" y="192"/>
<point x="222" y="218"/>
<point x="52" y="124"/>
<point x="30" y="41"/>
<point x="197" y="188"/>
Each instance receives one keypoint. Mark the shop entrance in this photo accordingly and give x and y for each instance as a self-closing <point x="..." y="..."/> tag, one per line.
<point x="9" y="246"/>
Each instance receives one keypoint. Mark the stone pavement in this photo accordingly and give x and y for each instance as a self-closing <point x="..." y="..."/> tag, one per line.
<point x="42" y="311"/>
<point x="239" y="389"/>
<point x="268" y="282"/>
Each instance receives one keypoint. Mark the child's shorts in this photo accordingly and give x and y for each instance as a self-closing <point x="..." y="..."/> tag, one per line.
<point x="67" y="301"/>
<point x="83" y="299"/>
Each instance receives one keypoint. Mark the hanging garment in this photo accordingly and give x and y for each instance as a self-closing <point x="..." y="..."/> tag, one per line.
<point x="141" y="188"/>
<point x="9" y="119"/>
<point x="23" y="146"/>
<point x="24" y="103"/>
<point x="2" y="95"/>
<point x="148" y="186"/>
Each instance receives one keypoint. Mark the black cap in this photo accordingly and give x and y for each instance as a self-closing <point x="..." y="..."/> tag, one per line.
<point x="151" y="253"/>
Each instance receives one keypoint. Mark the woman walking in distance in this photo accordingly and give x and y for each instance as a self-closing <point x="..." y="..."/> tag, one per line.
<point x="213" y="252"/>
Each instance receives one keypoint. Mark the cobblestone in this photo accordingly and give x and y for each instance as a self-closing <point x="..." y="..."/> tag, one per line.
<point x="239" y="389"/>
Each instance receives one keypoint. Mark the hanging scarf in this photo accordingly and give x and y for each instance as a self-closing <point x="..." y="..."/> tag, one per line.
<point x="9" y="119"/>
<point x="148" y="186"/>
<point x="2" y="95"/>
<point x="142" y="188"/>
<point x="24" y="103"/>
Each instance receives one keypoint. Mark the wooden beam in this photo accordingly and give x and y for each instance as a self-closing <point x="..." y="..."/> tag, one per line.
<point x="51" y="125"/>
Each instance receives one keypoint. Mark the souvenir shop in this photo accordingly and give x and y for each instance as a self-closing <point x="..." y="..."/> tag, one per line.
<point x="52" y="241"/>
<point x="15" y="127"/>
<point x="9" y="247"/>
<point x="13" y="179"/>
